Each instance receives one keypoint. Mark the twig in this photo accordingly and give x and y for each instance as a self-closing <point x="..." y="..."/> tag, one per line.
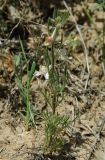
<point x="14" y="28"/>
<point x="80" y="34"/>
<point x="98" y="132"/>
<point x="78" y="109"/>
<point x="86" y="84"/>
<point x="103" y="68"/>
<point x="3" y="5"/>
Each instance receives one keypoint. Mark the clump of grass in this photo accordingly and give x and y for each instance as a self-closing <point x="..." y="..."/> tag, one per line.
<point x="24" y="89"/>
<point x="101" y="4"/>
<point x="55" y="124"/>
